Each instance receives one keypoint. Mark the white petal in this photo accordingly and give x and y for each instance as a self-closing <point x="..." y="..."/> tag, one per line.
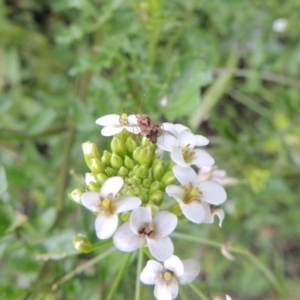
<point x="201" y="140"/>
<point x="175" y="129"/>
<point x="110" y="130"/>
<point x="106" y="226"/>
<point x="139" y="218"/>
<point x="132" y="120"/>
<point x="161" y="249"/>
<point x="194" y="211"/>
<point x="162" y="291"/>
<point x="113" y="120"/>
<point x="202" y="158"/>
<point x="173" y="286"/>
<point x="126" y="203"/>
<point x="86" y="148"/>
<point x="125" y="240"/>
<point x="175" y="192"/>
<point x="111" y="186"/>
<point x="133" y="129"/>
<point x="175" y="265"/>
<point x="221" y="215"/>
<point x="185" y="175"/>
<point x="177" y="157"/>
<point x="151" y="272"/>
<point x="191" y="271"/>
<point x="165" y="223"/>
<point x="186" y="138"/>
<point x="212" y="192"/>
<point x="166" y="142"/>
<point x="91" y="200"/>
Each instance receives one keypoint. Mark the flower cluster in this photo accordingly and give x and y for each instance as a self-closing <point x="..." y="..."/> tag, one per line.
<point x="131" y="183"/>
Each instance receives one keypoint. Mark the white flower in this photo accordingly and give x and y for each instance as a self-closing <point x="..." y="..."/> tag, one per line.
<point x="167" y="276"/>
<point x="145" y="228"/>
<point x="211" y="212"/>
<point x="211" y="173"/>
<point x="182" y="147"/>
<point x="280" y="25"/>
<point x="193" y="196"/>
<point x="108" y="206"/>
<point x="114" y="124"/>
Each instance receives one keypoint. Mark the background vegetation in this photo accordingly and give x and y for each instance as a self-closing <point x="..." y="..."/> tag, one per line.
<point x="226" y="72"/>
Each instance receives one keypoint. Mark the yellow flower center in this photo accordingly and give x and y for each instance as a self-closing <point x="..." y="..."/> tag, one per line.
<point x="168" y="276"/>
<point x="123" y="120"/>
<point x="191" y="193"/>
<point x="187" y="153"/>
<point x="107" y="205"/>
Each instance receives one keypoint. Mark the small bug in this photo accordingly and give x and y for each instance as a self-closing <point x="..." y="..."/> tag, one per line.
<point x="148" y="128"/>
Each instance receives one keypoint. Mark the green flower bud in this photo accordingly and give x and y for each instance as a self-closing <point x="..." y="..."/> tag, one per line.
<point x="156" y="197"/>
<point x="136" y="181"/>
<point x="110" y="172"/>
<point x="118" y="147"/>
<point x="146" y="156"/>
<point x="144" y="195"/>
<point x="145" y="142"/>
<point x="168" y="179"/>
<point x="90" y="151"/>
<point x="143" y="172"/>
<point x="136" y="154"/>
<point x="106" y="158"/>
<point x="147" y="182"/>
<point x="93" y="186"/>
<point x="116" y="161"/>
<point x="156" y="185"/>
<point x="128" y="162"/>
<point x="96" y="166"/>
<point x="76" y="195"/>
<point x="82" y="244"/>
<point x="101" y="178"/>
<point x="158" y="169"/>
<point x="130" y="144"/>
<point x="123" y="171"/>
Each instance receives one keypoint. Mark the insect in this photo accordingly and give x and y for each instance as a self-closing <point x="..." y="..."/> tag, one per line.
<point x="148" y="128"/>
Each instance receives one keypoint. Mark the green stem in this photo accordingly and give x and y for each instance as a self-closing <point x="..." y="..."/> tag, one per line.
<point x="119" y="277"/>
<point x="82" y="267"/>
<point x="198" y="292"/>
<point x="269" y="275"/>
<point x="138" y="272"/>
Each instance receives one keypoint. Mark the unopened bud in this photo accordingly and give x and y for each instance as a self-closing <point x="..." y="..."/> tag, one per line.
<point x="131" y="145"/>
<point x="168" y="179"/>
<point x="156" y="185"/>
<point x="146" y="156"/>
<point x="110" y="172"/>
<point x="116" y="161"/>
<point x="96" y="166"/>
<point x="82" y="244"/>
<point x="123" y="171"/>
<point x="142" y="172"/>
<point x="118" y="147"/>
<point x="136" y="154"/>
<point x="158" y="169"/>
<point x="90" y="151"/>
<point x="156" y="197"/>
<point x="106" y="158"/>
<point x="93" y="186"/>
<point x="101" y="178"/>
<point x="128" y="162"/>
<point x="76" y="195"/>
<point x="147" y="182"/>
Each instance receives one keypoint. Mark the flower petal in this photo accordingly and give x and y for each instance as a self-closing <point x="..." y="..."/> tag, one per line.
<point x="110" y="130"/>
<point x="151" y="272"/>
<point x="125" y="240"/>
<point x="191" y="271"/>
<point x="91" y="200"/>
<point x="202" y="158"/>
<point x="139" y="217"/>
<point x="165" y="223"/>
<point x="126" y="203"/>
<point x="175" y="265"/>
<point x="166" y="142"/>
<point x="106" y="226"/>
<point x="201" y="140"/>
<point x="132" y="120"/>
<point x="186" y="138"/>
<point x="175" y="129"/>
<point x="212" y="192"/>
<point x="194" y="211"/>
<point x="177" y="157"/>
<point x="175" y="192"/>
<point x="109" y="120"/>
<point x="111" y="186"/>
<point x="185" y="175"/>
<point x="162" y="291"/>
<point x="161" y="249"/>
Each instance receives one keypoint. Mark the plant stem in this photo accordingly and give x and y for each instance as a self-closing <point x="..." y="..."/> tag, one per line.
<point x="138" y="272"/>
<point x="198" y="292"/>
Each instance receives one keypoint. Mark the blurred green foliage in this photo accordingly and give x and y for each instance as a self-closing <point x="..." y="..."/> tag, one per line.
<point x="222" y="68"/>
